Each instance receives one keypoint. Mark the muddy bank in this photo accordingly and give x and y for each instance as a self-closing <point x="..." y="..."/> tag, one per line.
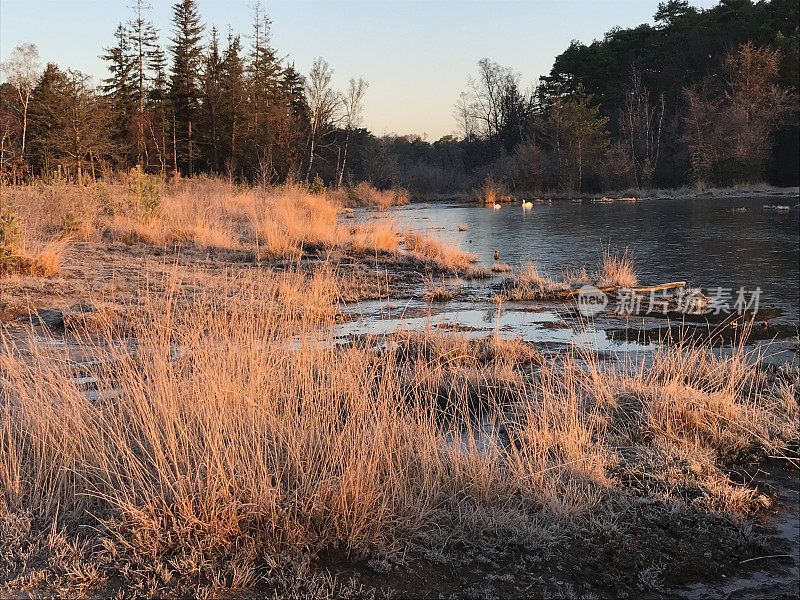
<point x="666" y="552"/>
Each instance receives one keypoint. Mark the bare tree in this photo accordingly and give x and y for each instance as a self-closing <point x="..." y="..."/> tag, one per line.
<point x="323" y="103"/>
<point x="702" y="111"/>
<point x="463" y="114"/>
<point x="756" y="104"/>
<point x="641" y="124"/>
<point x="353" y="104"/>
<point x="21" y="71"/>
<point x="486" y="96"/>
<point x="729" y="135"/>
<point x="496" y="107"/>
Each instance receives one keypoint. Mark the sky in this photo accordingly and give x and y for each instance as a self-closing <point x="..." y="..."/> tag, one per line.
<point x="417" y="55"/>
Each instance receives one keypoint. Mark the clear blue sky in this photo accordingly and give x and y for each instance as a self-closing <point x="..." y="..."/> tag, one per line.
<point x="416" y="55"/>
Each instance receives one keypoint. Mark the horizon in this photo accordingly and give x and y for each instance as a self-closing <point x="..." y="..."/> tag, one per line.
<point x="442" y="46"/>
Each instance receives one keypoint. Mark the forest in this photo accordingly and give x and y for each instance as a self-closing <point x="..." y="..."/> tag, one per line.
<point x="702" y="97"/>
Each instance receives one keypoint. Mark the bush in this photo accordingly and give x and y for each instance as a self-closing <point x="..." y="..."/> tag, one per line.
<point x="144" y="193"/>
<point x="492" y="192"/>
<point x="10" y="236"/>
<point x="317" y="187"/>
<point x="70" y="224"/>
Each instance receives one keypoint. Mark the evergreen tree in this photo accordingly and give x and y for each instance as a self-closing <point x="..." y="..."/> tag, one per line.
<point x="144" y="50"/>
<point x="44" y="96"/>
<point x="146" y="55"/>
<point x="72" y="122"/>
<point x="263" y="72"/>
<point x="264" y="68"/>
<point x="212" y="101"/>
<point x="234" y="102"/>
<point x="120" y="88"/>
<point x="187" y="55"/>
<point x="292" y="127"/>
<point x="160" y="108"/>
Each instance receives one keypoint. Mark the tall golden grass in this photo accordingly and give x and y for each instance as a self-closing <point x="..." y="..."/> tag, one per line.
<point x="235" y="431"/>
<point x="427" y="248"/>
<point x="274" y="222"/>
<point x="365" y="194"/>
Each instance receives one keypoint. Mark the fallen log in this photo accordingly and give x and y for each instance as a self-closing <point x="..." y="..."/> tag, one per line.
<point x="658" y="288"/>
<point x="614" y="288"/>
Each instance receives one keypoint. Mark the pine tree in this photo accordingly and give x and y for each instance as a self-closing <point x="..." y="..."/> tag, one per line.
<point x="187" y="55"/>
<point x="264" y="69"/>
<point x="212" y="100"/>
<point x="72" y="122"/>
<point x="159" y="105"/>
<point x="119" y="87"/>
<point x="293" y="127"/>
<point x="158" y="91"/>
<point x="263" y="84"/>
<point x="145" y="52"/>
<point x="292" y="89"/>
<point x="43" y="98"/>
<point x="234" y="100"/>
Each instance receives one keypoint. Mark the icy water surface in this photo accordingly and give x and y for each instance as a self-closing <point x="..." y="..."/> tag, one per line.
<point x="704" y="241"/>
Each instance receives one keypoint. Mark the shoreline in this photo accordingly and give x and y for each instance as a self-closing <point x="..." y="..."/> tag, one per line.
<point x="682" y="193"/>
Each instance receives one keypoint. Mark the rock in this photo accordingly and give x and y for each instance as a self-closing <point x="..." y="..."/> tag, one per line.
<point x="46" y="317"/>
<point x="59" y="320"/>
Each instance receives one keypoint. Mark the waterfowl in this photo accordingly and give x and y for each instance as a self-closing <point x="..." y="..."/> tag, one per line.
<point x="527" y="205"/>
<point x="496" y="206"/>
<point x="497" y="255"/>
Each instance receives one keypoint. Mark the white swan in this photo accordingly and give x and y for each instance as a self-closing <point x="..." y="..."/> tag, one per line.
<point x="527" y="205"/>
<point x="496" y="206"/>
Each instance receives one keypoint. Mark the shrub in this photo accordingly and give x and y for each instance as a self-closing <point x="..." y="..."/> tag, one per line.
<point x="70" y="224"/>
<point x="10" y="236"/>
<point x="317" y="187"/>
<point x="491" y="192"/>
<point x="144" y="192"/>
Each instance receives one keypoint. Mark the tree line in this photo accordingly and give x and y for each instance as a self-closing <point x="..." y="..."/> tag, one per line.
<point x="702" y="96"/>
<point x="229" y="106"/>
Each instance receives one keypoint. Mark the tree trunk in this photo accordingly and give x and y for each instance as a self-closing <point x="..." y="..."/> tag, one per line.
<point x="344" y="158"/>
<point x="310" y="158"/>
<point x="191" y="163"/>
<point x="174" y="148"/>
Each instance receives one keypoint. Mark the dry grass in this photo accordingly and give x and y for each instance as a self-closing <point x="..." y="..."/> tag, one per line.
<point x="529" y="284"/>
<point x="209" y="214"/>
<point x="219" y="439"/>
<point x="20" y="255"/>
<point x="234" y="432"/>
<point x="365" y="194"/>
<point x="499" y="267"/>
<point x="614" y="271"/>
<point x="378" y="235"/>
<point x="38" y="260"/>
<point x="617" y="270"/>
<point x="429" y="249"/>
